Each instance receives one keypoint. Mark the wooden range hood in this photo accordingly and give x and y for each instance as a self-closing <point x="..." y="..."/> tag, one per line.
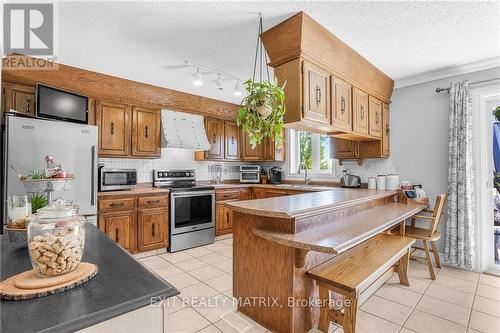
<point x="300" y="42"/>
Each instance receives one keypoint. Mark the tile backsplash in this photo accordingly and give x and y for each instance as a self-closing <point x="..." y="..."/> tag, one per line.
<point x="173" y="158"/>
<point x="369" y="168"/>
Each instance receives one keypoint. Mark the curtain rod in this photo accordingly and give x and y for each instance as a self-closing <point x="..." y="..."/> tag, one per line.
<point x="438" y="90"/>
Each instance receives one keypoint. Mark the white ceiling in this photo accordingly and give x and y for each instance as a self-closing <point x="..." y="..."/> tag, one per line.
<point x="140" y="40"/>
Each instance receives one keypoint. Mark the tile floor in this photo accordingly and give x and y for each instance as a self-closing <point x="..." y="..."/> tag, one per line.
<point x="457" y="301"/>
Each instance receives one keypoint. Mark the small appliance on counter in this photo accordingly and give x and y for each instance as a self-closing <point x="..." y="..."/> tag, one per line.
<point x="275" y="175"/>
<point x="250" y="173"/>
<point x="116" y="179"/>
<point x="215" y="171"/>
<point x="349" y="180"/>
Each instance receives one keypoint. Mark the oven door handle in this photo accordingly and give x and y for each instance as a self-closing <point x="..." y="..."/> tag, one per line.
<point x="192" y="194"/>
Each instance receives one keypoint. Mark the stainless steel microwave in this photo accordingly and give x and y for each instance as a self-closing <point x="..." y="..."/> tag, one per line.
<point x="117" y="179"/>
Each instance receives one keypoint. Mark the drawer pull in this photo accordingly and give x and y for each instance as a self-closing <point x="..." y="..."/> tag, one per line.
<point x="153" y="230"/>
<point x="157" y="201"/>
<point x="117" y="238"/>
<point x="342" y="104"/>
<point x="117" y="204"/>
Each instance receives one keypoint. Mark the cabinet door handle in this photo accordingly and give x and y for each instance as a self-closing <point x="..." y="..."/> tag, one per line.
<point x="318" y="95"/>
<point x="153" y="201"/>
<point x="153" y="229"/>
<point x="28" y="104"/>
<point x="117" y="237"/>
<point x="342" y="104"/>
<point x="387" y="130"/>
<point x="376" y="118"/>
<point x="214" y="139"/>
<point x="146" y="132"/>
<point x="362" y="109"/>
<point x="232" y="140"/>
<point x="112" y="128"/>
<point x="227" y="217"/>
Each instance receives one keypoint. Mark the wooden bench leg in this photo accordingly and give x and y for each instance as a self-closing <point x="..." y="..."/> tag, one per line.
<point x="350" y="312"/>
<point x="429" y="260"/>
<point x="436" y="254"/>
<point x="324" y="312"/>
<point x="403" y="269"/>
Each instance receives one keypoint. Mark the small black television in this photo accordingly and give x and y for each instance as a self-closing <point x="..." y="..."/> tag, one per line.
<point x="63" y="105"/>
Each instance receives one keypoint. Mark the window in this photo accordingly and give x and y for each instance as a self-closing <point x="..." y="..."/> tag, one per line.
<point x="309" y="150"/>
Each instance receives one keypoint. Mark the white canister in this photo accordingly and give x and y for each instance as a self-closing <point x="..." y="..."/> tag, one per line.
<point x="381" y="182"/>
<point x="372" y="183"/>
<point x="392" y="182"/>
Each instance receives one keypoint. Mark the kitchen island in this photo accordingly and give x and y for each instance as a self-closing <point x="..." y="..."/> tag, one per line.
<point x="277" y="240"/>
<point x="118" y="298"/>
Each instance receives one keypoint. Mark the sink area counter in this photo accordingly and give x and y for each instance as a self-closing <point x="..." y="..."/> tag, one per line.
<point x="302" y="205"/>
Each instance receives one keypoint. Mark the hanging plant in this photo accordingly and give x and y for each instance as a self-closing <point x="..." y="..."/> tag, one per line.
<point x="261" y="112"/>
<point x="496" y="113"/>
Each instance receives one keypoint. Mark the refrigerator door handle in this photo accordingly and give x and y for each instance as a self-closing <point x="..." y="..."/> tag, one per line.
<point x="93" y="176"/>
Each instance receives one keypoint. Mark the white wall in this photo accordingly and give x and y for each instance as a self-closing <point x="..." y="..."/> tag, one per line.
<point x="419" y="133"/>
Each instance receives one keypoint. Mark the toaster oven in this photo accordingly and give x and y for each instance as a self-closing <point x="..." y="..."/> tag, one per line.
<point x="250" y="174"/>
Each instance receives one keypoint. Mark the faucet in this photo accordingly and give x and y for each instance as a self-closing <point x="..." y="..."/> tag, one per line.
<point x="307" y="180"/>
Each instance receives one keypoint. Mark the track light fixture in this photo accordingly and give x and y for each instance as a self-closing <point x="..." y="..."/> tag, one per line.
<point x="221" y="76"/>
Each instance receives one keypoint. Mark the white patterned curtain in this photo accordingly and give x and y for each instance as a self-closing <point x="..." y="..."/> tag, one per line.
<point x="459" y="244"/>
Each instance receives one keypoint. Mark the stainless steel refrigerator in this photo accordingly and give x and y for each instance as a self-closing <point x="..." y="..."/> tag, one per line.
<point x="74" y="146"/>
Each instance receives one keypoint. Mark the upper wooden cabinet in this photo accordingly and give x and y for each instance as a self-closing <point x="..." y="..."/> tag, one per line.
<point x="114" y="121"/>
<point x="18" y="97"/>
<point x="341" y="105"/>
<point x="344" y="149"/>
<point x="215" y="135"/>
<point x="272" y="151"/>
<point x="146" y="132"/>
<point x="316" y="83"/>
<point x="386" y="146"/>
<point x="375" y="116"/>
<point x="247" y="152"/>
<point x="127" y="131"/>
<point x="360" y="111"/>
<point x="232" y="141"/>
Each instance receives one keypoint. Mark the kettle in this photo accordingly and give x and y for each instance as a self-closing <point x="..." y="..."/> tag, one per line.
<point x="348" y="180"/>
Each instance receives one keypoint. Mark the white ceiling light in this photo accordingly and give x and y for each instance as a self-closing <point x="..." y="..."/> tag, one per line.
<point x="218" y="82"/>
<point x="198" y="81"/>
<point x="237" y="89"/>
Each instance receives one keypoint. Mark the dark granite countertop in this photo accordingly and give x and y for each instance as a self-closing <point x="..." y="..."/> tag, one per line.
<point x="121" y="285"/>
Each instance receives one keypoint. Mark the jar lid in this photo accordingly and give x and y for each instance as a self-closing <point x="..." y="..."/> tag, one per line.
<point x="59" y="209"/>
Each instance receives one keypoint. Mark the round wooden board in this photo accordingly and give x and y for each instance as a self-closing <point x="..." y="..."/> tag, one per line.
<point x="28" y="285"/>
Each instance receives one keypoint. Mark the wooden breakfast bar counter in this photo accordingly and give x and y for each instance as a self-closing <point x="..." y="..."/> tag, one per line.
<point x="277" y="240"/>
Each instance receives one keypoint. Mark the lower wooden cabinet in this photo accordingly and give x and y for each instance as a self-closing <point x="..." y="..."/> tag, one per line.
<point x="152" y="229"/>
<point x="136" y="222"/>
<point x="119" y="226"/>
<point x="224" y="218"/>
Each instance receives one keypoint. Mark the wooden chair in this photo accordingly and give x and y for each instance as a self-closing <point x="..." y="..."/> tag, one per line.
<point x="430" y="234"/>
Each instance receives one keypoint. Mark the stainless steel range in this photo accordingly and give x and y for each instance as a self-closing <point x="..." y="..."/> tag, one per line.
<point x="192" y="209"/>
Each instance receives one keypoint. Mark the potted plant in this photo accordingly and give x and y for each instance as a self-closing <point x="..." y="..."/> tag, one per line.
<point x="496" y="113"/>
<point x="261" y="112"/>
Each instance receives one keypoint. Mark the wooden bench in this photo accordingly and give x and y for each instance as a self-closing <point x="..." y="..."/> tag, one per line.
<point x="353" y="271"/>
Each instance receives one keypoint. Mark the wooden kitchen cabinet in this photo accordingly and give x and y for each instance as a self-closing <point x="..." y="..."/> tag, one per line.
<point x="224" y="218"/>
<point x="146" y="132"/>
<point x="247" y="152"/>
<point x="386" y="139"/>
<point x="360" y="111"/>
<point x="119" y="226"/>
<point x="137" y="222"/>
<point x="215" y="135"/>
<point x="272" y="151"/>
<point x="246" y="194"/>
<point x="232" y="141"/>
<point x="316" y="82"/>
<point x="114" y="121"/>
<point x="152" y="229"/>
<point x="20" y="98"/>
<point x="344" y="149"/>
<point x="375" y="116"/>
<point x="341" y="105"/>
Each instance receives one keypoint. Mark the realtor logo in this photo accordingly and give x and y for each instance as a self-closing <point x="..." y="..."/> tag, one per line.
<point x="28" y="28"/>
